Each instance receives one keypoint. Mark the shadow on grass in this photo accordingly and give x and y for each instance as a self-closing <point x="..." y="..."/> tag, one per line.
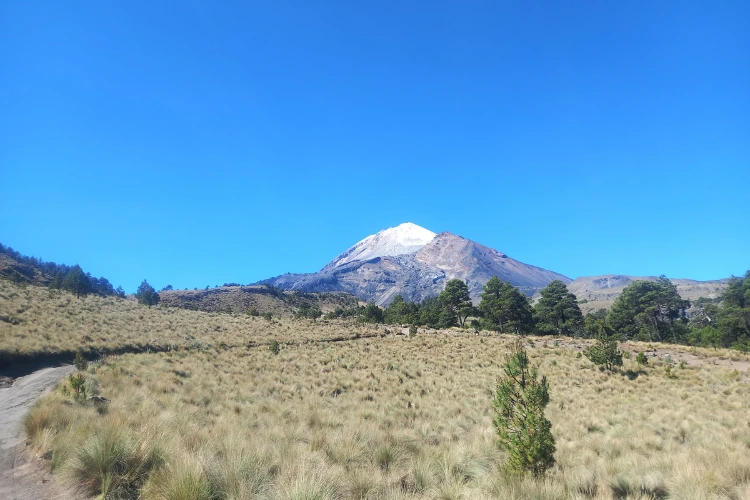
<point x="632" y="374"/>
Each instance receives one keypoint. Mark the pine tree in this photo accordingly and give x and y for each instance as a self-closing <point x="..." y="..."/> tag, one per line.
<point x="557" y="312"/>
<point x="455" y="297"/>
<point x="503" y="306"/>
<point x="77" y="282"/>
<point x="147" y="295"/>
<point x="523" y="430"/>
<point x="649" y="310"/>
<point x="605" y="351"/>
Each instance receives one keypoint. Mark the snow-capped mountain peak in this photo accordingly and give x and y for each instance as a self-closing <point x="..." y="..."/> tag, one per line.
<point x="403" y="239"/>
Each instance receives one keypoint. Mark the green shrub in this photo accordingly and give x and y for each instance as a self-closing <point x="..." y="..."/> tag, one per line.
<point x="80" y="362"/>
<point x="78" y="384"/>
<point x="523" y="430"/>
<point x="641" y="359"/>
<point x="605" y="352"/>
<point x="412" y="330"/>
<point x="274" y="347"/>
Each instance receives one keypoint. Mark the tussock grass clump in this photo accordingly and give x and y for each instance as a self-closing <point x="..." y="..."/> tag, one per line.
<point x="182" y="480"/>
<point x="114" y="462"/>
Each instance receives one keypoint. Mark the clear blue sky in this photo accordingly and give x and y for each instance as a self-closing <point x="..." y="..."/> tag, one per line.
<point x="194" y="143"/>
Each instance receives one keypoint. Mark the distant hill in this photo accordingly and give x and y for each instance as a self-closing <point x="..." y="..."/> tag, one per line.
<point x="19" y="268"/>
<point x="597" y="292"/>
<point x="415" y="263"/>
<point x="254" y="299"/>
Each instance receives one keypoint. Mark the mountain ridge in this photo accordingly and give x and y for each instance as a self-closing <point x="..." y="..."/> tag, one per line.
<point x="414" y="262"/>
<point x="600" y="292"/>
<point x="403" y="239"/>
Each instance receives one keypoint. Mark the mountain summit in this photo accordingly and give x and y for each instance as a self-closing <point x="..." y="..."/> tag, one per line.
<point x="414" y="262"/>
<point x="403" y="239"/>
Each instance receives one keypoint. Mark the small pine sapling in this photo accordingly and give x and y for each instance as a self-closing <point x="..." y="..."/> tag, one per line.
<point x="78" y="384"/>
<point x="641" y="359"/>
<point x="605" y="351"/>
<point x="274" y="347"/>
<point x="523" y="430"/>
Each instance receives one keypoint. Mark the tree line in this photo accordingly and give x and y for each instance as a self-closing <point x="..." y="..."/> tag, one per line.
<point x="57" y="276"/>
<point x="650" y="311"/>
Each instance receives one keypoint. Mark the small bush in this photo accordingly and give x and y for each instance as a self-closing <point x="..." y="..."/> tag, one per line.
<point x="80" y="362"/>
<point x="641" y="359"/>
<point x="605" y="352"/>
<point x="78" y="384"/>
<point x="274" y="347"/>
<point x="412" y="330"/>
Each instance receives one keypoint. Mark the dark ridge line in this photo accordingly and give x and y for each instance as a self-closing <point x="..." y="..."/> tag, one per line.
<point x="14" y="361"/>
<point x="15" y="364"/>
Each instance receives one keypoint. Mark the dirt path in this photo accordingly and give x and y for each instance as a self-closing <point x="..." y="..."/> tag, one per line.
<point x="23" y="476"/>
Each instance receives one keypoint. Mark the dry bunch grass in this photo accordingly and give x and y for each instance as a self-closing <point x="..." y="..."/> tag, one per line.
<point x="36" y="321"/>
<point x="394" y="418"/>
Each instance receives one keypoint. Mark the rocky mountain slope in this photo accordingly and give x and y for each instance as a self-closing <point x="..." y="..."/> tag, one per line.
<point x="406" y="260"/>
<point x="400" y="240"/>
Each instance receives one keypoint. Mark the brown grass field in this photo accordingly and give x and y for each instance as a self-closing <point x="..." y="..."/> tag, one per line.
<point x="366" y="417"/>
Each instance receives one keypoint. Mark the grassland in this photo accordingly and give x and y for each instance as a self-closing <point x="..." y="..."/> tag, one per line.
<point x="37" y="322"/>
<point x="369" y="417"/>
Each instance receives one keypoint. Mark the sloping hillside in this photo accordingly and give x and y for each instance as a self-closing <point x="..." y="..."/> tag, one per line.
<point x="36" y="322"/>
<point x="254" y="299"/>
<point x="597" y="292"/>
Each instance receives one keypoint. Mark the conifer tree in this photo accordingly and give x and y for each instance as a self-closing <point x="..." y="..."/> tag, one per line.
<point x="605" y="351"/>
<point x="455" y="298"/>
<point x="557" y="312"/>
<point x="523" y="430"/>
<point x="147" y="295"/>
<point x="77" y="282"/>
<point x="504" y="307"/>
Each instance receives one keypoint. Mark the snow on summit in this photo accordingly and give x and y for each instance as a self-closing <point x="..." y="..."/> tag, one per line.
<point x="405" y="238"/>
